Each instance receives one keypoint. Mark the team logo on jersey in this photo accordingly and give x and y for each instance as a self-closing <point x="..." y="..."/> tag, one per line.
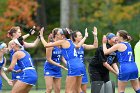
<point x="18" y="77"/>
<point x="109" y="60"/>
<point x="47" y="73"/>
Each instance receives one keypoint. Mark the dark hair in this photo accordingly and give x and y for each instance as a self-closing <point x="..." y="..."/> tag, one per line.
<point x="74" y="35"/>
<point x="12" y="30"/>
<point x="124" y="35"/>
<point x="67" y="32"/>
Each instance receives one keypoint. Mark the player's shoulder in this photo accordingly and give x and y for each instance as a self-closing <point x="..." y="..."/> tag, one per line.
<point x="18" y="52"/>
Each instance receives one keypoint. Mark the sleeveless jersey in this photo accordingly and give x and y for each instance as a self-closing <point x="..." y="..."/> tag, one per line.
<point x="11" y="54"/>
<point x="127" y="69"/>
<point x="2" y="62"/>
<point x="71" y="57"/>
<point x="127" y="55"/>
<point x="26" y="61"/>
<point x="80" y="53"/>
<point x="69" y="53"/>
<point x="56" y="56"/>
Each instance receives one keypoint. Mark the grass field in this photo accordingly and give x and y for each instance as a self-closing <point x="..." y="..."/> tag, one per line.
<point x="40" y="86"/>
<point x="128" y="90"/>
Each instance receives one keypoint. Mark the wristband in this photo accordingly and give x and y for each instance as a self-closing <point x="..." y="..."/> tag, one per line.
<point x="33" y="29"/>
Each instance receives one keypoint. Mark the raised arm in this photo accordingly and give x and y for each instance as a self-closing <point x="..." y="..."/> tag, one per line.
<point x="109" y="50"/>
<point x="31" y="32"/>
<point x="57" y="43"/>
<point x="31" y="45"/>
<point x="83" y="40"/>
<point x="95" y="44"/>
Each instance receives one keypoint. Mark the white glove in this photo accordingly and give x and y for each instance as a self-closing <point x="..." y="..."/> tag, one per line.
<point x="4" y="68"/>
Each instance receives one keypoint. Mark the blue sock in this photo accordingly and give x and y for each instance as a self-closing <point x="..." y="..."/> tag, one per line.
<point x="81" y="92"/>
<point x="121" y="92"/>
<point x="138" y="91"/>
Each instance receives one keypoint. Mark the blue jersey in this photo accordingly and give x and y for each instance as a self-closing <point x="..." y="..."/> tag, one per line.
<point x="11" y="54"/>
<point x="127" y="68"/>
<point x="127" y="55"/>
<point x="56" y="56"/>
<point x="2" y="62"/>
<point x="15" y="76"/>
<point x="80" y="53"/>
<point x="29" y="75"/>
<point x="69" y="53"/>
<point x="74" y="64"/>
<point x="26" y="61"/>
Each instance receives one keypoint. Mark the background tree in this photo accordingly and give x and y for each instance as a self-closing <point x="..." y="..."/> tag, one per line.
<point x="17" y="12"/>
<point x="65" y="13"/>
<point x="107" y="15"/>
<point x="41" y="13"/>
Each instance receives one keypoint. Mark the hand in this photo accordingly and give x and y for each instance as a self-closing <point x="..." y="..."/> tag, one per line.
<point x="104" y="40"/>
<point x="86" y="33"/>
<point x="64" y="67"/>
<point x="32" y="31"/>
<point x="4" y="68"/>
<point x="10" y="82"/>
<point x="94" y="31"/>
<point x="41" y="31"/>
<point x="116" y="73"/>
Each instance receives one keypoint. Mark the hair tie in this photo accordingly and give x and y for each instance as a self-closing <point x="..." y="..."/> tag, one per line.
<point x="68" y="30"/>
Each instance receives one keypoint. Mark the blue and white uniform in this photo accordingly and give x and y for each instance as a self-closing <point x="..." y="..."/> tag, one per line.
<point x="74" y="64"/>
<point x="15" y="76"/>
<point x="80" y="52"/>
<point x="1" y="64"/>
<point x="128" y="69"/>
<point x="29" y="75"/>
<point x="53" y="70"/>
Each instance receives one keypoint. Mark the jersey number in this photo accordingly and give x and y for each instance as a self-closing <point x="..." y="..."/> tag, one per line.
<point x="75" y="53"/>
<point x="31" y="62"/>
<point x="130" y="55"/>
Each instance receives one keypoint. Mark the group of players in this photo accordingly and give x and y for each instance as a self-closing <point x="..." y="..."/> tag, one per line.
<point x="65" y="45"/>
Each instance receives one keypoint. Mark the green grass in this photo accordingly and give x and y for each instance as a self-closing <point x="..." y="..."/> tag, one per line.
<point x="40" y="86"/>
<point x="128" y="90"/>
